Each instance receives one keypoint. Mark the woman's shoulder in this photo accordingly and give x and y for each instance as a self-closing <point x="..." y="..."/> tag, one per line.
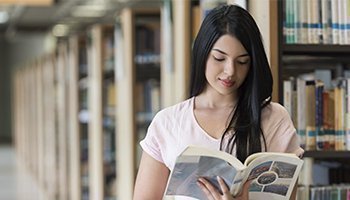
<point x="274" y="109"/>
<point x="177" y="109"/>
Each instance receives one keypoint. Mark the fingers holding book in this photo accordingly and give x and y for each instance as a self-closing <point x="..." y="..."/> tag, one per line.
<point x="214" y="193"/>
<point x="244" y="195"/>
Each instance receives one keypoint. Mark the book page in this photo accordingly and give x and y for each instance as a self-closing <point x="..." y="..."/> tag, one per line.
<point x="262" y="154"/>
<point x="196" y="150"/>
<point x="273" y="177"/>
<point x="190" y="167"/>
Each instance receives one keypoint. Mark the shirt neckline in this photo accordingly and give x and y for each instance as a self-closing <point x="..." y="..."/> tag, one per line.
<point x="197" y="124"/>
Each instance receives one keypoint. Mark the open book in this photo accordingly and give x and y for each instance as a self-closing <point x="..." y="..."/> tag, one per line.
<point x="272" y="175"/>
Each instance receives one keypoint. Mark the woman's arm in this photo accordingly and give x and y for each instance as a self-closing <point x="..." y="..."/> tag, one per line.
<point x="151" y="179"/>
<point x="294" y="193"/>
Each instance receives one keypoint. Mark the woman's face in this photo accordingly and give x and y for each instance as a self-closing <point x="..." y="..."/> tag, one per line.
<point x="227" y="65"/>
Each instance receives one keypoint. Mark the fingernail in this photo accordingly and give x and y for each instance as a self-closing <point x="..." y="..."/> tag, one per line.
<point x="199" y="183"/>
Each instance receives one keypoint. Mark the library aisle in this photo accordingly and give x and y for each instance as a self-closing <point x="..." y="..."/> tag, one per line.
<point x="15" y="182"/>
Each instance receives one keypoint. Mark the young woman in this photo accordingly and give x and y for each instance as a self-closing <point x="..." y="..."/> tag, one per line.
<point x="230" y="107"/>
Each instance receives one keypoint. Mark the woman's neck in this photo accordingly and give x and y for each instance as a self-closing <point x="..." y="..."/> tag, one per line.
<point x="211" y="99"/>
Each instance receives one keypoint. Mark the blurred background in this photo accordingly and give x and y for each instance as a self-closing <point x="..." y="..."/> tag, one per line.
<point x="81" y="80"/>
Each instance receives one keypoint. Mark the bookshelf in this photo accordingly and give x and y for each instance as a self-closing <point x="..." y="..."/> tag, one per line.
<point x="95" y="130"/>
<point x="102" y="112"/>
<point x="138" y="88"/>
<point x="125" y="96"/>
<point x="147" y="72"/>
<point x="327" y="154"/>
<point x="83" y="114"/>
<point x="73" y="113"/>
<point x="59" y="130"/>
<point x="297" y="56"/>
<point x="50" y="140"/>
<point x="109" y="107"/>
<point x="314" y="49"/>
<point x="92" y="113"/>
<point x="182" y="48"/>
<point x="166" y="63"/>
<point x="61" y="122"/>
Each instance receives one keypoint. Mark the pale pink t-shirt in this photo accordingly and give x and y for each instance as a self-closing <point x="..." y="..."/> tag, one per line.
<point x="174" y="128"/>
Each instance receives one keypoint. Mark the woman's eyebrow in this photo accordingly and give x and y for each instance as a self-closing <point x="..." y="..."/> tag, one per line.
<point x="222" y="52"/>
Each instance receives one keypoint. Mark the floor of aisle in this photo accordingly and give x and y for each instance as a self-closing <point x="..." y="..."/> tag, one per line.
<point x="15" y="181"/>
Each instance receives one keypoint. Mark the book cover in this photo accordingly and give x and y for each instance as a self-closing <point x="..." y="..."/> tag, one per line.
<point x="271" y="175"/>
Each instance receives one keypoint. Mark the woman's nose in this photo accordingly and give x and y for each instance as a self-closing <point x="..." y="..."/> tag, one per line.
<point x="229" y="68"/>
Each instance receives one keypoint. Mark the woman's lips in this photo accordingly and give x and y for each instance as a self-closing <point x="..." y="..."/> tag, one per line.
<point x="226" y="83"/>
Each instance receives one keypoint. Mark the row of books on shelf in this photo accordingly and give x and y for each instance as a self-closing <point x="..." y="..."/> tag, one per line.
<point x="147" y="58"/>
<point x="109" y="98"/>
<point x="331" y="192"/>
<point x="320" y="110"/>
<point x="205" y="6"/>
<point x="316" y="22"/>
<point x="148" y="96"/>
<point x="339" y="175"/>
<point x="108" y="52"/>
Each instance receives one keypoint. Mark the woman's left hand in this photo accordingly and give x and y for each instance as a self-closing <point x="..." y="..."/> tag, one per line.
<point x="212" y="192"/>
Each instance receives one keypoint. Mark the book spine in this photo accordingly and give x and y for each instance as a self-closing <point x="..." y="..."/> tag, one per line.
<point x="329" y="22"/>
<point x="335" y="21"/>
<point x="328" y="120"/>
<point x="339" y="93"/>
<point x="303" y="22"/>
<point x="294" y="104"/>
<point x="310" y="108"/>
<point x="347" y="24"/>
<point x="285" y="26"/>
<point x="342" y="21"/>
<point x="309" y="21"/>
<point x="330" y="192"/>
<point x="319" y="22"/>
<point x="301" y="111"/>
<point x="289" y="21"/>
<point x="297" y="30"/>
<point x="347" y="114"/>
<point x="287" y="96"/>
<point x="316" y="22"/>
<point x="319" y="115"/>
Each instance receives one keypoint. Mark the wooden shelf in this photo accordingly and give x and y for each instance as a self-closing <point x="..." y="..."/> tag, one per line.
<point x="108" y="75"/>
<point x="147" y="71"/>
<point x="316" y="49"/>
<point x="327" y="154"/>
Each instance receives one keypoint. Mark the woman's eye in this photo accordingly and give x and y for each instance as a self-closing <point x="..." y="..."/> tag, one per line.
<point x="219" y="59"/>
<point x="243" y="62"/>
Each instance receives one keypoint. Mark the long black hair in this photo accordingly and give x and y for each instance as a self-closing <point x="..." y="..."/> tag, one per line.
<point x="255" y="91"/>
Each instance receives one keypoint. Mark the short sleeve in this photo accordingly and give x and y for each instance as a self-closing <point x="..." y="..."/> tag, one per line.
<point x="280" y="132"/>
<point x="151" y="143"/>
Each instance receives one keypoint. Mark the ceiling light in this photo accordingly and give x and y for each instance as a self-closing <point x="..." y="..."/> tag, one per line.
<point x="4" y="17"/>
<point x="89" y="11"/>
<point x="28" y="2"/>
<point x="60" y="30"/>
